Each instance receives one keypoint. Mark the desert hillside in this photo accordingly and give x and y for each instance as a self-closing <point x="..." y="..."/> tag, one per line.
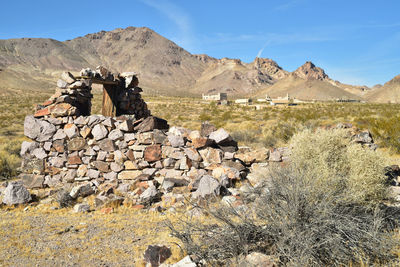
<point x="389" y="92"/>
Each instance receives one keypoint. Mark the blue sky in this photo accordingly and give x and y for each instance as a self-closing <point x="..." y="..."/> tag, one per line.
<point x="355" y="41"/>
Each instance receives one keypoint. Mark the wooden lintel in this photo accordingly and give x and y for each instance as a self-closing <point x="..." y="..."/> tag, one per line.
<point x="98" y="81"/>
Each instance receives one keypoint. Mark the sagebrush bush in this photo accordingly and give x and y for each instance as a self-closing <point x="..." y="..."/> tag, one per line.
<point x="296" y="224"/>
<point x="8" y="165"/>
<point x="332" y="162"/>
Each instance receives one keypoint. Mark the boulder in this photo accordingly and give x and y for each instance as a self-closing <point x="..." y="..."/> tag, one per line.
<point x="116" y="134"/>
<point x="82" y="190"/>
<point x="152" y="153"/>
<point x="32" y="180"/>
<point x="71" y="130"/>
<point x="81" y="207"/>
<point x="99" y="132"/>
<point x="207" y="129"/>
<point x="16" y="193"/>
<point x="107" y="145"/>
<point x="220" y="136"/>
<point x="151" y="123"/>
<point x="208" y="186"/>
<point x="28" y="147"/>
<point x="156" y="255"/>
<point x="129" y="175"/>
<point x="77" y="143"/>
<point x="176" y="140"/>
<point x="68" y="77"/>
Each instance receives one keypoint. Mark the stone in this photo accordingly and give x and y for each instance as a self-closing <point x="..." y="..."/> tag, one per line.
<point x="159" y="136"/>
<point x="109" y="122"/>
<point x="74" y="160"/>
<point x="99" y="132"/>
<point x="194" y="135"/>
<point x="77" y="143"/>
<point x="211" y="155"/>
<point x="169" y="163"/>
<point x="47" y="146"/>
<point x="58" y="162"/>
<point x="32" y="180"/>
<point x="207" y="129"/>
<point x="93" y="120"/>
<point x="101" y="155"/>
<point x="80" y="121"/>
<point x="131" y="80"/>
<point x="71" y="130"/>
<point x="363" y="137"/>
<point x="145" y="138"/>
<point x="257" y="259"/>
<point x="126" y="126"/>
<point x="185" y="262"/>
<point x="110" y="175"/>
<point x="70" y="176"/>
<point x="82" y="207"/>
<point x="129" y="175"/>
<point x="275" y="156"/>
<point x="31" y="127"/>
<point x="42" y="112"/>
<point x="116" y="134"/>
<point x="192" y="154"/>
<point x="176" y="140"/>
<point x="115" y="167"/>
<point x="150" y="194"/>
<point x="59" y="135"/>
<point x="107" y="145"/>
<point x="201" y="142"/>
<point x="131" y="165"/>
<point x="28" y="147"/>
<point x="130" y="155"/>
<point x="68" y="77"/>
<point x="93" y="174"/>
<point x="101" y="166"/>
<point x="220" y="136"/>
<point x="82" y="190"/>
<point x="82" y="170"/>
<point x="151" y="123"/>
<point x="156" y="255"/>
<point x="129" y="137"/>
<point x="152" y="153"/>
<point x="119" y="157"/>
<point x="62" y="110"/>
<point x="59" y="146"/>
<point x="62" y="84"/>
<point x="185" y="163"/>
<point x="39" y="153"/>
<point x="16" y="193"/>
<point x="208" y="186"/>
<point x="85" y="131"/>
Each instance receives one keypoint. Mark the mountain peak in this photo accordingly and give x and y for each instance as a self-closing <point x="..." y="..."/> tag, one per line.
<point x="309" y="71"/>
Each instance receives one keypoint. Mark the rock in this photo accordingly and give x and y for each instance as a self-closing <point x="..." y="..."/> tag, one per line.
<point x="101" y="166"/>
<point x="115" y="167"/>
<point x="99" y="132"/>
<point x="62" y="110"/>
<point x="110" y="175"/>
<point x="116" y="135"/>
<point x="208" y="186"/>
<point x="129" y="137"/>
<point x="131" y="165"/>
<point x="82" y="190"/>
<point x="156" y="255"/>
<point x="211" y="155"/>
<point x="201" y="142"/>
<point x="85" y="131"/>
<point x="39" y="153"/>
<point x="107" y="145"/>
<point x="77" y="143"/>
<point x="38" y="130"/>
<point x="15" y="193"/>
<point x="74" y="160"/>
<point x="59" y="135"/>
<point x="256" y="259"/>
<point x="71" y="130"/>
<point x="126" y="126"/>
<point x="192" y="154"/>
<point x="93" y="174"/>
<point x="81" y="208"/>
<point x="159" y="136"/>
<point x="28" y="147"/>
<point x="207" y="129"/>
<point x="82" y="170"/>
<point x="62" y="84"/>
<point x="194" y="135"/>
<point x="149" y="195"/>
<point x="42" y="112"/>
<point x="109" y="122"/>
<point x="275" y="156"/>
<point x="363" y="137"/>
<point x="176" y="140"/>
<point x="68" y="77"/>
<point x="152" y="153"/>
<point x="185" y="262"/>
<point x="151" y="123"/>
<point x="32" y="180"/>
<point x="220" y="136"/>
<point x="129" y="175"/>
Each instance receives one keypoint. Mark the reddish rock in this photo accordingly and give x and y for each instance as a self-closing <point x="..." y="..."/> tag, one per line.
<point x="107" y="210"/>
<point x="152" y="153"/>
<point x="201" y="142"/>
<point x="59" y="146"/>
<point x="74" y="160"/>
<point x="42" y="112"/>
<point x="47" y="103"/>
<point x="130" y="155"/>
<point x="138" y="207"/>
<point x="61" y="110"/>
<point x="101" y="166"/>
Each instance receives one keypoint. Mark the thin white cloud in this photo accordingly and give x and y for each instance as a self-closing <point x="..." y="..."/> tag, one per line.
<point x="179" y="17"/>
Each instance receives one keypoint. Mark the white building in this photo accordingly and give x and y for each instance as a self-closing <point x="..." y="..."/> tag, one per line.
<point x="216" y="97"/>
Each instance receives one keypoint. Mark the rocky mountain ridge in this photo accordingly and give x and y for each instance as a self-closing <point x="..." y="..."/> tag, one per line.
<point x="164" y="67"/>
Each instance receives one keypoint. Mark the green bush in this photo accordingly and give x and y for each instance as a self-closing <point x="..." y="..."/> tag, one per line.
<point x="8" y="165"/>
<point x="331" y="162"/>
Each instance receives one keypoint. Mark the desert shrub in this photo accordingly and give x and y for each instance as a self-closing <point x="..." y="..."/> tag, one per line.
<point x="331" y="161"/>
<point x="8" y="165"/>
<point x="296" y="224"/>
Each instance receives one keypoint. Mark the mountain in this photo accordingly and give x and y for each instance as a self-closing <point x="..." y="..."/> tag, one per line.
<point x="389" y="92"/>
<point x="309" y="82"/>
<point x="32" y="64"/>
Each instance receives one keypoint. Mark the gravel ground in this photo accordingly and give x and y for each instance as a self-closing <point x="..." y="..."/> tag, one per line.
<point x="41" y="236"/>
